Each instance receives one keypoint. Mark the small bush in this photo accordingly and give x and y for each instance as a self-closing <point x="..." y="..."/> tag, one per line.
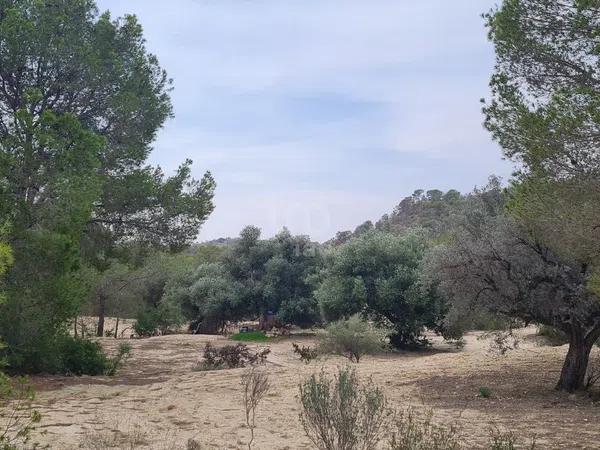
<point x="553" y="336"/>
<point x="485" y="392"/>
<point x="418" y="432"/>
<point x="82" y="357"/>
<point x="507" y="440"/>
<point x="502" y="341"/>
<point x="593" y="372"/>
<point x="255" y="387"/>
<point x="231" y="357"/>
<point x="17" y="416"/>
<point x="115" y="363"/>
<point x="306" y="354"/>
<point x="252" y="336"/>
<point x="352" y="338"/>
<point x="147" y="322"/>
<point x="340" y="413"/>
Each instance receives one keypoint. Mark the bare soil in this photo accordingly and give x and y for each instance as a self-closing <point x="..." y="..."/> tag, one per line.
<point x="158" y="402"/>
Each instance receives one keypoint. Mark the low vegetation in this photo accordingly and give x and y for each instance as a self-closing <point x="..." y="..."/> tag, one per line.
<point x="507" y="440"/>
<point x="339" y="413"/>
<point x="352" y="338"/>
<point x="251" y="336"/>
<point x="18" y="417"/>
<point x="305" y="353"/>
<point x="231" y="357"/>
<point x="414" y="431"/>
<point x="255" y="386"/>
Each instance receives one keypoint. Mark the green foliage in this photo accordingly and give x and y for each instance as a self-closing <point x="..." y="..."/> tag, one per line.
<point x="116" y="362"/>
<point x="380" y="274"/>
<point x="415" y="431"/>
<point x="152" y="320"/>
<point x="252" y="336"/>
<point x="249" y="279"/>
<point x="339" y="412"/>
<point x="485" y="392"/>
<point x="82" y="357"/>
<point x="76" y="131"/>
<point x="352" y="338"/>
<point x="17" y="414"/>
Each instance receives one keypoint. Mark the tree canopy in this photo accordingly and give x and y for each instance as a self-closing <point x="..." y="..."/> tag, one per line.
<point x="80" y="105"/>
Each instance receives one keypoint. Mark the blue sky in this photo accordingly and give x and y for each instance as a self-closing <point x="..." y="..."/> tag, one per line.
<point x="319" y="115"/>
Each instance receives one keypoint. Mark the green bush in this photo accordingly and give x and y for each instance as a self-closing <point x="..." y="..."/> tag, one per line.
<point x="82" y="357"/>
<point x="418" y="432"/>
<point x="116" y="362"/>
<point x="251" y="336"/>
<point x="352" y="338"/>
<point x="151" y="320"/>
<point x="485" y="392"/>
<point x="147" y="322"/>
<point x="340" y="413"/>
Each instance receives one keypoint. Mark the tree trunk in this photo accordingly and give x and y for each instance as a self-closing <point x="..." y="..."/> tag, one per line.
<point x="572" y="376"/>
<point x="117" y="328"/>
<point x="101" y="313"/>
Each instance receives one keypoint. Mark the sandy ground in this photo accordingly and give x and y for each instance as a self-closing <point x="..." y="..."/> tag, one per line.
<point x="158" y="402"/>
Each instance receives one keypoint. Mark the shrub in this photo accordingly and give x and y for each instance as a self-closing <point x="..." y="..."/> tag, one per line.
<point x="147" y="322"/>
<point x="339" y="413"/>
<point x="553" y="336"/>
<point x="418" y="432"/>
<point x="593" y="372"/>
<point x="231" y="357"/>
<point x="485" y="392"/>
<point x="306" y="354"/>
<point x="82" y="357"/>
<point x="152" y="319"/>
<point x="352" y="338"/>
<point x="116" y="362"/>
<point x="506" y="440"/>
<point x="17" y="416"/>
<point x="255" y="386"/>
<point x="502" y="341"/>
<point x="252" y="336"/>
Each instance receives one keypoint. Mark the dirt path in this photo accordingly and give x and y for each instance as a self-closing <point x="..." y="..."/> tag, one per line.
<point x="158" y="402"/>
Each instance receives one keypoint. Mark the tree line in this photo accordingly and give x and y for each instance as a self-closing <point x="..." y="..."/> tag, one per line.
<point x="89" y="227"/>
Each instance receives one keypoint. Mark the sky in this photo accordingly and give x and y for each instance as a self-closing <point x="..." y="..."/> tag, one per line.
<point x="319" y="115"/>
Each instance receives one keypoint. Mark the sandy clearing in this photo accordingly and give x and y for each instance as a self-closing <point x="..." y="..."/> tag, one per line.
<point x="158" y="401"/>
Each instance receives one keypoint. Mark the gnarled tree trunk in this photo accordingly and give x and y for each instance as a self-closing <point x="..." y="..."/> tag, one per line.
<point x="572" y="376"/>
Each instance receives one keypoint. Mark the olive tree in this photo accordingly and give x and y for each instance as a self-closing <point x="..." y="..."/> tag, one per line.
<point x="379" y="275"/>
<point x="492" y="261"/>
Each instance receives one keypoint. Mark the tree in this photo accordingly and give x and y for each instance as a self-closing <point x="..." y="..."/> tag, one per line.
<point x="545" y="113"/>
<point x="81" y="103"/>
<point x="378" y="275"/>
<point x="493" y="262"/>
<point x="546" y="85"/>
<point x="251" y="279"/>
